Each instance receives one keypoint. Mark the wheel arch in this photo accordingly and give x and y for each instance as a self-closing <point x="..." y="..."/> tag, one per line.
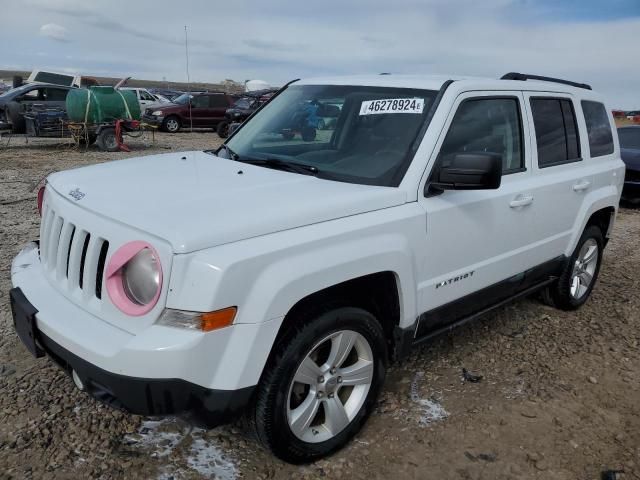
<point x="599" y="211"/>
<point x="377" y="293"/>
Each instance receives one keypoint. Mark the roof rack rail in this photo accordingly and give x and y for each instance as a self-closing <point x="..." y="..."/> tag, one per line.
<point x="526" y="76"/>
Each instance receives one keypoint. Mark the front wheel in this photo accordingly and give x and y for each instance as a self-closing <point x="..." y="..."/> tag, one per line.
<point x="223" y="129"/>
<point x="321" y="386"/>
<point x="171" y="124"/>
<point x="573" y="287"/>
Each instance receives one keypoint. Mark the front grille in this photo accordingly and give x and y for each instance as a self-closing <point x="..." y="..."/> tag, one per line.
<point x="632" y="176"/>
<point x="72" y="256"/>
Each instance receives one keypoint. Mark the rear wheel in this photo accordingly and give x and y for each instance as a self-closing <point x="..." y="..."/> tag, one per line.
<point x="15" y="115"/>
<point x="223" y="129"/>
<point x="321" y="386"/>
<point x="573" y="287"/>
<point x="171" y="124"/>
<point x="107" y="140"/>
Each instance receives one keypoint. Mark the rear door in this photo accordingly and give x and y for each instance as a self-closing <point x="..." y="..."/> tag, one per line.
<point x="561" y="177"/>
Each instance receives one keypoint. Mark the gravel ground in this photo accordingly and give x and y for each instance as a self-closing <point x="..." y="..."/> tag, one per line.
<point x="559" y="398"/>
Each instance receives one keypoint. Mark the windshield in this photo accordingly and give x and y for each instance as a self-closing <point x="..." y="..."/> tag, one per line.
<point x="354" y="134"/>
<point x="244" y="102"/>
<point x="182" y="99"/>
<point x="629" y="138"/>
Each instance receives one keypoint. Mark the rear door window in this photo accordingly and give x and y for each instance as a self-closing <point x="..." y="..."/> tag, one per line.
<point x="56" y="94"/>
<point x="598" y="128"/>
<point x="557" y="136"/>
<point x="200" y="101"/>
<point x="217" y="101"/>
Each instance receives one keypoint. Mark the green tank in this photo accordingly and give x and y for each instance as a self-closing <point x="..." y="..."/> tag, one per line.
<point x="102" y="105"/>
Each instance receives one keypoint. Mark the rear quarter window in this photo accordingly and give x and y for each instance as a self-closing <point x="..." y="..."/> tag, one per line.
<point x="598" y="128"/>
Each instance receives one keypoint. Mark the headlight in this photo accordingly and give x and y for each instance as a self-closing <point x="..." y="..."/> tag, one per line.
<point x="157" y="113"/>
<point x="141" y="277"/>
<point x="134" y="278"/>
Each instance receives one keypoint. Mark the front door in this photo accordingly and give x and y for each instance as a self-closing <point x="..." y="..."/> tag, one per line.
<point x="476" y="239"/>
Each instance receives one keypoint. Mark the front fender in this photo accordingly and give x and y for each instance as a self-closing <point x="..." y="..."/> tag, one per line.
<point x="266" y="276"/>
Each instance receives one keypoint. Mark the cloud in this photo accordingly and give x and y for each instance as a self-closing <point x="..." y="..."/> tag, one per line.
<point x="583" y="40"/>
<point x="54" y="32"/>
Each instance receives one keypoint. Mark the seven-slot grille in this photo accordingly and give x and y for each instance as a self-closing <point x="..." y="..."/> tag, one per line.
<point x="71" y="255"/>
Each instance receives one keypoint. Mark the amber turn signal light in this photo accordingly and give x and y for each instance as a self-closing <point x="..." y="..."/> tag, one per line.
<point x="218" y="319"/>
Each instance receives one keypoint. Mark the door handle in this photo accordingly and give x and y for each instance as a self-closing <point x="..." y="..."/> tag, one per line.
<point x="521" y="201"/>
<point x="580" y="186"/>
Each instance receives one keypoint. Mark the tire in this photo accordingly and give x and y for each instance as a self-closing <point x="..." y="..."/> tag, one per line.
<point x="107" y="141"/>
<point x="171" y="124"/>
<point x="223" y="129"/>
<point x="308" y="134"/>
<point x="15" y="115"/>
<point x="91" y="139"/>
<point x="316" y="340"/>
<point x="583" y="267"/>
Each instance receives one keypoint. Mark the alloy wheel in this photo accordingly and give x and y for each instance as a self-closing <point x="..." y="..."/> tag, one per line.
<point x="584" y="268"/>
<point x="330" y="386"/>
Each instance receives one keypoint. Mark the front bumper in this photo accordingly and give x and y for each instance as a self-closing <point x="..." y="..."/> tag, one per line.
<point x="158" y="370"/>
<point x="153" y="120"/>
<point x="149" y="396"/>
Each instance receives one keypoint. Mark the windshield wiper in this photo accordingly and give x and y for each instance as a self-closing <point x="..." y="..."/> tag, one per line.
<point x="233" y="155"/>
<point x="281" y="165"/>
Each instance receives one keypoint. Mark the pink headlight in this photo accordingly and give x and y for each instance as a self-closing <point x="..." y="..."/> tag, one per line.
<point x="115" y="281"/>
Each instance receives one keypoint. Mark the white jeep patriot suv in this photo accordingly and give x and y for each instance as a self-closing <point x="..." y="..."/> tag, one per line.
<point x="278" y="275"/>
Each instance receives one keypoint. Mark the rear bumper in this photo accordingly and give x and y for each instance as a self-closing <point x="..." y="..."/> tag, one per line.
<point x="149" y="396"/>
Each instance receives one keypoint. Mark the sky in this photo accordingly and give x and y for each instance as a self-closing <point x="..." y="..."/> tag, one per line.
<point x="590" y="41"/>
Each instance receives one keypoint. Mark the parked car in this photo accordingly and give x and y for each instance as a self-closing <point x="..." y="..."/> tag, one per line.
<point x="202" y="110"/>
<point x="243" y="107"/>
<point x="166" y="93"/>
<point x="58" y="78"/>
<point x="18" y="101"/>
<point x="146" y="99"/>
<point x="630" y="151"/>
<point x="279" y="277"/>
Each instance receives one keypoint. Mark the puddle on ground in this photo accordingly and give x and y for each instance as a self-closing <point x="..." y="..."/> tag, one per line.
<point x="431" y="409"/>
<point x="184" y="446"/>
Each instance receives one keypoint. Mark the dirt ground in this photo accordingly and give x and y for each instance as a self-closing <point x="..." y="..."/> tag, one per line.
<point x="559" y="397"/>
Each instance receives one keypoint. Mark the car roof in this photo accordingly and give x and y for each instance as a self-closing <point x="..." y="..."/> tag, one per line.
<point x="435" y="82"/>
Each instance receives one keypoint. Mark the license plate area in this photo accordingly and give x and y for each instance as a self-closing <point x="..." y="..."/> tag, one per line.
<point x="24" y="321"/>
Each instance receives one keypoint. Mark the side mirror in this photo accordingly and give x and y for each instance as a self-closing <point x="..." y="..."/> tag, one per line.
<point x="469" y="171"/>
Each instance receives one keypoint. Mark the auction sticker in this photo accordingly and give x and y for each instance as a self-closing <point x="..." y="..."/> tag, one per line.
<point x="392" y="105"/>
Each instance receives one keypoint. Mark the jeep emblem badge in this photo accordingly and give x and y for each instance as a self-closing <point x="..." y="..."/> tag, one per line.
<point x="76" y="194"/>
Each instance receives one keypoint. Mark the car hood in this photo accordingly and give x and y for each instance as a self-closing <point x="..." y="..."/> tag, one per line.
<point x="168" y="107"/>
<point x="631" y="158"/>
<point x="196" y="200"/>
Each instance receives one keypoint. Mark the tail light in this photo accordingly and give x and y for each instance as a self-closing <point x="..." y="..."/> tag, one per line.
<point x="40" y="199"/>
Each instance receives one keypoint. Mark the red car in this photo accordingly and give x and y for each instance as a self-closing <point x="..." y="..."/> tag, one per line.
<point x="200" y="110"/>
